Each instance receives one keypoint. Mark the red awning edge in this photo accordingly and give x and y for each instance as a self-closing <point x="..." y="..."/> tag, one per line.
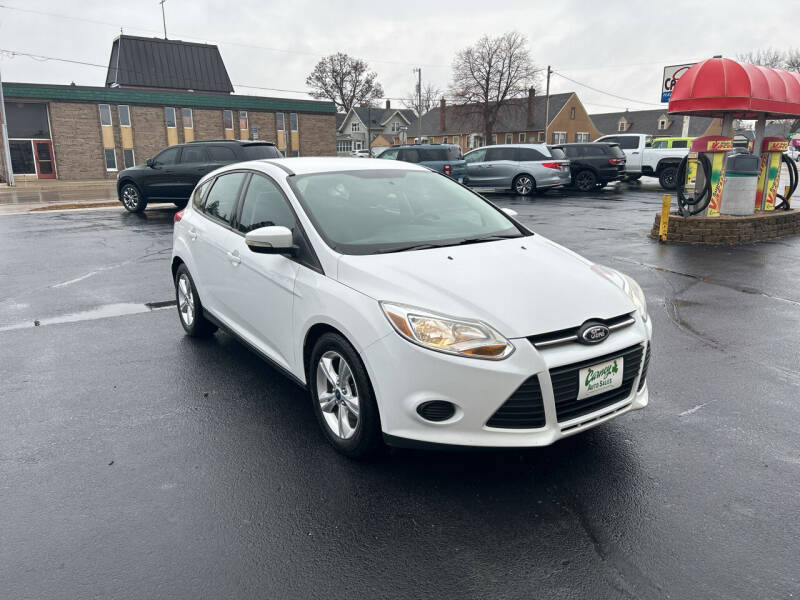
<point x="720" y="86"/>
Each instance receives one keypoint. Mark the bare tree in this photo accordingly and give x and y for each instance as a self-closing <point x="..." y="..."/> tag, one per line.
<point x="430" y="96"/>
<point x="492" y="72"/>
<point x="344" y="80"/>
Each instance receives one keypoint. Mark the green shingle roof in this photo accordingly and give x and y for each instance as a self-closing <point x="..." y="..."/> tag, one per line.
<point x="182" y="99"/>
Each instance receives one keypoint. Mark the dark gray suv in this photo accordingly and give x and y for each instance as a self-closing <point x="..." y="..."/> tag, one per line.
<point x="174" y="172"/>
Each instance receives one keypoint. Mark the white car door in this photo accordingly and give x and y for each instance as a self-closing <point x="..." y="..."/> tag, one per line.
<point x="211" y="237"/>
<point x="633" y="147"/>
<point x="262" y="286"/>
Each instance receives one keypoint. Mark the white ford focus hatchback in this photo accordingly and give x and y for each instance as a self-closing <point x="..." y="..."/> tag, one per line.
<point x="413" y="310"/>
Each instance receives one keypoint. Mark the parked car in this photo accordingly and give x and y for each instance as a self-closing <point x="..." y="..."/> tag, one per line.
<point x="640" y="159"/>
<point x="672" y="142"/>
<point x="361" y="153"/>
<point x="522" y="168"/>
<point x="592" y="165"/>
<point x="412" y="309"/>
<point x="174" y="172"/>
<point x="445" y="158"/>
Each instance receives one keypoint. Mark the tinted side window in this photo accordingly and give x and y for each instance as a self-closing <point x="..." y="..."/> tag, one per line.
<point x="169" y="156"/>
<point x="193" y="154"/>
<point x="409" y="155"/>
<point x="570" y="151"/>
<point x="263" y="206"/>
<point x="221" y="200"/>
<point x="528" y="154"/>
<point x="592" y="151"/>
<point x="199" y="192"/>
<point x="221" y="154"/>
<point x="615" y="150"/>
<point x="680" y="144"/>
<point x="433" y="154"/>
<point x="390" y="154"/>
<point x="254" y="152"/>
<point x="610" y="139"/>
<point x="500" y="154"/>
<point x="628" y="142"/>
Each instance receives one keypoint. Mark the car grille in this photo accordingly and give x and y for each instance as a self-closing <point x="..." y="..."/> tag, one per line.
<point x="565" y="384"/>
<point x="565" y="336"/>
<point x="645" y="364"/>
<point x="523" y="410"/>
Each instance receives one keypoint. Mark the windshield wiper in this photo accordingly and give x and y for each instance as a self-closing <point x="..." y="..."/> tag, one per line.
<point x="486" y="238"/>
<point x="407" y="248"/>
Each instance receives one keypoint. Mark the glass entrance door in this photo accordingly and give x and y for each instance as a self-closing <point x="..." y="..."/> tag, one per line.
<point x="43" y="152"/>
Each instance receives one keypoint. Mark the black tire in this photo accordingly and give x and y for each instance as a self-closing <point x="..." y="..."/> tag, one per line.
<point x="585" y="180"/>
<point x="198" y="325"/>
<point x="132" y="198"/>
<point x="366" y="439"/>
<point x="523" y="185"/>
<point x="667" y="177"/>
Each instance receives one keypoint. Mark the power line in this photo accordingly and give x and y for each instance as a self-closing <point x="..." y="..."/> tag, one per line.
<point x="594" y="89"/>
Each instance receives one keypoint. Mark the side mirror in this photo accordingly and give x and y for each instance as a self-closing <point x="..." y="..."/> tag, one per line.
<point x="151" y="162"/>
<point x="510" y="212"/>
<point x="274" y="239"/>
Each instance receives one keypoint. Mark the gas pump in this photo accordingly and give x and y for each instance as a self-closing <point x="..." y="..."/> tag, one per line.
<point x="772" y="157"/>
<point x="701" y="174"/>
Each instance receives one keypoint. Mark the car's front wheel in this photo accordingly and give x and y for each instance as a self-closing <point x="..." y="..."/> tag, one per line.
<point x="190" y="309"/>
<point x="667" y="177"/>
<point x="132" y="199"/>
<point x="524" y="185"/>
<point x="342" y="397"/>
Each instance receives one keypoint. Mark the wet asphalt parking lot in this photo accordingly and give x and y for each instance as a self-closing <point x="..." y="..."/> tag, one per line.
<point x="138" y="463"/>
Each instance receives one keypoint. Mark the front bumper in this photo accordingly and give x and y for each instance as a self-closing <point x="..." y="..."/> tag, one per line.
<point x="405" y="375"/>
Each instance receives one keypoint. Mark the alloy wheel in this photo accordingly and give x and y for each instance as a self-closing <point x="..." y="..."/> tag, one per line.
<point x="185" y="299"/>
<point x="130" y="197"/>
<point x="585" y="181"/>
<point x="523" y="185"/>
<point x="337" y="394"/>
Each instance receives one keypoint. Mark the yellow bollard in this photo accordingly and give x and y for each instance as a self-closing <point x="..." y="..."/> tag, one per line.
<point x="662" y="229"/>
<point x="786" y="195"/>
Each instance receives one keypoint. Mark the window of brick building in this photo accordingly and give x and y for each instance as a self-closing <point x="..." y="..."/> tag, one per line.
<point x="559" y="137"/>
<point x="111" y="159"/>
<point x="169" y="117"/>
<point x="572" y="113"/>
<point x="124" y="115"/>
<point x="227" y="119"/>
<point x="127" y="158"/>
<point x="509" y="138"/>
<point x="521" y="138"/>
<point x="243" y="122"/>
<point x="582" y="137"/>
<point x="105" y="114"/>
<point x="187" y="118"/>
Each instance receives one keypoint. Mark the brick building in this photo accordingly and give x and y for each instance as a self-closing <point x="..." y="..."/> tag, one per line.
<point x="158" y="93"/>
<point x="521" y="120"/>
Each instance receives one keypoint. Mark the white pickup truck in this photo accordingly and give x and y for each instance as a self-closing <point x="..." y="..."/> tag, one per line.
<point x="641" y="159"/>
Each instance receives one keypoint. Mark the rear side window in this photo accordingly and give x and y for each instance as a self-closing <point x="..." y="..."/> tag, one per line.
<point x="169" y="156"/>
<point x="500" y="154"/>
<point x="557" y="153"/>
<point x="680" y="144"/>
<point x="389" y="154"/>
<point x="264" y="206"/>
<point x="615" y="150"/>
<point x="199" y="192"/>
<point x="256" y="151"/>
<point x="454" y="153"/>
<point x="475" y="156"/>
<point x="628" y="142"/>
<point x="529" y="154"/>
<point x="591" y="151"/>
<point x="609" y="140"/>
<point x="221" y="200"/>
<point x="193" y="154"/>
<point x="409" y="155"/>
<point x="221" y="154"/>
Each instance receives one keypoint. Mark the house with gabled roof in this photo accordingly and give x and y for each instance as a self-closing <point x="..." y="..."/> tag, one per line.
<point x="520" y="120"/>
<point x="656" y="122"/>
<point x="391" y="124"/>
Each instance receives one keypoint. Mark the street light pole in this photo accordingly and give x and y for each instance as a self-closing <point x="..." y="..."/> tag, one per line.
<point x="547" y="105"/>
<point x="163" y="17"/>
<point x="418" y="70"/>
<point x="4" y="136"/>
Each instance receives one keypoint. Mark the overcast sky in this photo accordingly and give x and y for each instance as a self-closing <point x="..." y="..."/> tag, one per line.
<point x="614" y="46"/>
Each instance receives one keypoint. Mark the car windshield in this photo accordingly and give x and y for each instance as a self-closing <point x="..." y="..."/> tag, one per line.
<point x="377" y="211"/>
<point x="256" y="151"/>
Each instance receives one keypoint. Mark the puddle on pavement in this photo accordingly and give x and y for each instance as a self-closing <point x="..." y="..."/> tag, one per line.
<point x="101" y="312"/>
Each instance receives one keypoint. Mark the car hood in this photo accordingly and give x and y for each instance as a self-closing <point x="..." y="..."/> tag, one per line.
<point x="523" y="286"/>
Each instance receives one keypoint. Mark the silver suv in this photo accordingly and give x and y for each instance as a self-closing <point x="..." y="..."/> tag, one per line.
<point x="522" y="168"/>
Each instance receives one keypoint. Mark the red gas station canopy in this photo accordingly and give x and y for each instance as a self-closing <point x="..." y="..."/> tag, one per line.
<point x="720" y="86"/>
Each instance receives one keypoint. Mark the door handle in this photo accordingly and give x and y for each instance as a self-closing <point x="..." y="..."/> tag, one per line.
<point x="193" y="234"/>
<point x="235" y="258"/>
<point x="635" y="152"/>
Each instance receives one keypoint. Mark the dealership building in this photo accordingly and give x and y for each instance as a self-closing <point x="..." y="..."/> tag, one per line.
<point x="158" y="93"/>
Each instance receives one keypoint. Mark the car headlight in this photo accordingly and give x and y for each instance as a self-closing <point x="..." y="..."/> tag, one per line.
<point x="628" y="285"/>
<point x="473" y="339"/>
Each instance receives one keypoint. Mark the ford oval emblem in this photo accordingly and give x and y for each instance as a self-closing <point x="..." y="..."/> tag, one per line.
<point x="592" y="333"/>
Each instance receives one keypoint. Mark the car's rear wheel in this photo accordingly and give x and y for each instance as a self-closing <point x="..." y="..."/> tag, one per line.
<point x="342" y="397"/>
<point x="667" y="177"/>
<point x="132" y="199"/>
<point x="190" y="309"/>
<point x="524" y="185"/>
<point x="585" y="181"/>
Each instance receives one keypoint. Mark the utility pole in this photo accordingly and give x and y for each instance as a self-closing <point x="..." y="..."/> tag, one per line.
<point x="547" y="105"/>
<point x="163" y="17"/>
<point x="4" y="136"/>
<point x="369" y="126"/>
<point x="418" y="71"/>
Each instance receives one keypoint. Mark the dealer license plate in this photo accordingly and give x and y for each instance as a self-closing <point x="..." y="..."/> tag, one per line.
<point x="600" y="378"/>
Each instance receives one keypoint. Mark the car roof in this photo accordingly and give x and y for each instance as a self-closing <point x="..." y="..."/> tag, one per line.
<point x="329" y="164"/>
<point x="237" y="142"/>
<point x="535" y="146"/>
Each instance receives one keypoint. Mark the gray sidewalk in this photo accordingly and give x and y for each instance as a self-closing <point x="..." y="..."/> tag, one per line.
<point x="28" y="196"/>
